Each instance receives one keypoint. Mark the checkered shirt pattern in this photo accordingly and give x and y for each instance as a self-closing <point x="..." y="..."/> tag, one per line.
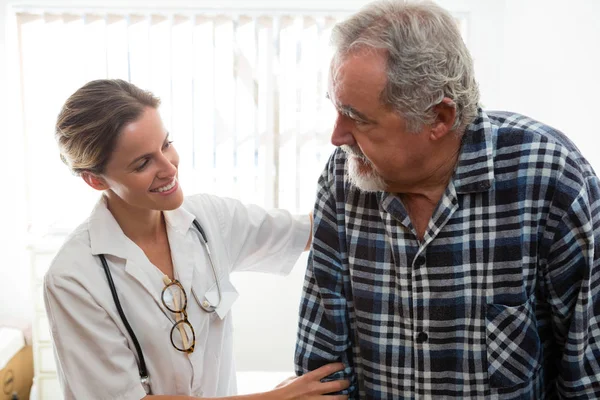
<point x="500" y="300"/>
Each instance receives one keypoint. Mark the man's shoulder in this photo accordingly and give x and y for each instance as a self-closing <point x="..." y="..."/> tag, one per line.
<point x="514" y="128"/>
<point x="523" y="143"/>
<point x="533" y="141"/>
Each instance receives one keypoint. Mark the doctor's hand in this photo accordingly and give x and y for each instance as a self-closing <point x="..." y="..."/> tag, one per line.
<point x="309" y="385"/>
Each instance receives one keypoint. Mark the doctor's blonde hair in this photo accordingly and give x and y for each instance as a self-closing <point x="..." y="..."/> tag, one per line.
<point x="90" y="121"/>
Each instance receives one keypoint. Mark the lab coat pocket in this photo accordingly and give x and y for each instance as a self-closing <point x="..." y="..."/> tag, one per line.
<point x="513" y="344"/>
<point x="228" y="296"/>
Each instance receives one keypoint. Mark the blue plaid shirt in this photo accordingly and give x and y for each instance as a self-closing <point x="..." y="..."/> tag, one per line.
<point x="501" y="299"/>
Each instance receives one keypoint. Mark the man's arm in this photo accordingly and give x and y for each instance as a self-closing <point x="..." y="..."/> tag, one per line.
<point x="572" y="279"/>
<point x="323" y="330"/>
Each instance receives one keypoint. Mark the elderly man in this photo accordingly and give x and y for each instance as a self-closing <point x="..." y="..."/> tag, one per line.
<point x="456" y="251"/>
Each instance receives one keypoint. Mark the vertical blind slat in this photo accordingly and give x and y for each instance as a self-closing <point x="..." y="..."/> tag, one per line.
<point x="204" y="103"/>
<point x="241" y="97"/>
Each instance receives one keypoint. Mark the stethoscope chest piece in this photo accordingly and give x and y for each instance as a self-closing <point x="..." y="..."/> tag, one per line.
<point x="145" y="380"/>
<point x="206" y="306"/>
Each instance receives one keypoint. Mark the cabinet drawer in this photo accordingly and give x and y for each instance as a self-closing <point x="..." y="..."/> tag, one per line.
<point x="46" y="359"/>
<point x="42" y="328"/>
<point x="48" y="388"/>
<point x="38" y="297"/>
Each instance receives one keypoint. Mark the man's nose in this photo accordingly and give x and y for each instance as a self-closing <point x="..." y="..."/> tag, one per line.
<point x="342" y="132"/>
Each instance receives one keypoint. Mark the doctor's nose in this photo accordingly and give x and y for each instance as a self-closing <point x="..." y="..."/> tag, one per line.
<point x="168" y="167"/>
<point x="342" y="131"/>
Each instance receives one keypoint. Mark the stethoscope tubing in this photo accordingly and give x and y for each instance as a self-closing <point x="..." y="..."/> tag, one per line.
<point x="210" y="308"/>
<point x="142" y="364"/>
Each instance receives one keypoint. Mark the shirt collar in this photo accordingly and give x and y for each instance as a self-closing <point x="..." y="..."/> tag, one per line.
<point x="475" y="170"/>
<point x="180" y="219"/>
<point x="107" y="237"/>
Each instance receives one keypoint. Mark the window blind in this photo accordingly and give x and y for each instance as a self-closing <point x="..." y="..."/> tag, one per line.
<point x="243" y="96"/>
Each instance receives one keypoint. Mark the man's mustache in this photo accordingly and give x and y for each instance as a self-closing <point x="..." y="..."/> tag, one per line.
<point x="353" y="151"/>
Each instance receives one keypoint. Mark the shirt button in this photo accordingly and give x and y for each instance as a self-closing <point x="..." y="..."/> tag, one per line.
<point x="205" y="304"/>
<point x="422" y="337"/>
<point x="419" y="261"/>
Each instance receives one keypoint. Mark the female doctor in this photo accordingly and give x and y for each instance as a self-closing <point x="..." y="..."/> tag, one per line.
<point x="139" y="295"/>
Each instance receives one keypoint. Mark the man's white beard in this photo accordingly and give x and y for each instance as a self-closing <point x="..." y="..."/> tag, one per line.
<point x="369" y="181"/>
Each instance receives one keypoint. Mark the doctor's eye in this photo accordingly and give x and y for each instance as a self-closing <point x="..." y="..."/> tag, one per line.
<point x="142" y="166"/>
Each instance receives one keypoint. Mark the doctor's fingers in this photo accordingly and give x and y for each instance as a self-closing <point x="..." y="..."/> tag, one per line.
<point x="321" y="380"/>
<point x="316" y="375"/>
<point x="323" y="371"/>
<point x="331" y="387"/>
<point x="308" y="388"/>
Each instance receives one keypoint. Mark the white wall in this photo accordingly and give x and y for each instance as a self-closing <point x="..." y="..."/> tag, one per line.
<point x="551" y="67"/>
<point x="15" y="301"/>
<point x="531" y="56"/>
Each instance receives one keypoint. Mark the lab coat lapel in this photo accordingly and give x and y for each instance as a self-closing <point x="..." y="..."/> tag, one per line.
<point x="107" y="237"/>
<point x="182" y="246"/>
<point x="136" y="269"/>
<point x="183" y="259"/>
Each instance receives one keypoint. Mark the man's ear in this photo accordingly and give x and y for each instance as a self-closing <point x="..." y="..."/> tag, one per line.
<point x="445" y="116"/>
<point x="95" y="181"/>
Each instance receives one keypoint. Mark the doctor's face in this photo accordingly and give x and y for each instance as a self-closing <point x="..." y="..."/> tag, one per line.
<point x="142" y="170"/>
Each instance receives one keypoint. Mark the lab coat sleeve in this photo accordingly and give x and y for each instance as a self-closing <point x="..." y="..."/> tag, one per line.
<point x="93" y="359"/>
<point x="261" y="240"/>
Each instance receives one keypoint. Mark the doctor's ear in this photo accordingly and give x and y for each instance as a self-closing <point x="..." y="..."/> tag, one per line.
<point x="95" y="181"/>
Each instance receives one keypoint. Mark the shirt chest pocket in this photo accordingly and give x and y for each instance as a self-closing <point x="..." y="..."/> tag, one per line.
<point x="513" y="344"/>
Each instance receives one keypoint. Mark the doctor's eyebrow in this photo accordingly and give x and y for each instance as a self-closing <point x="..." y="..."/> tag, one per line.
<point x="147" y="155"/>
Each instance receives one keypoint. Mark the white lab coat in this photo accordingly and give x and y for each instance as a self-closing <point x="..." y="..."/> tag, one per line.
<point x="95" y="355"/>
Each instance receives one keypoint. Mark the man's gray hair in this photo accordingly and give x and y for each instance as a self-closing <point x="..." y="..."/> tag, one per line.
<point x="427" y="58"/>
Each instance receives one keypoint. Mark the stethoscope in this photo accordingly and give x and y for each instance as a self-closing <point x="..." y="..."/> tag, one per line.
<point x="205" y="305"/>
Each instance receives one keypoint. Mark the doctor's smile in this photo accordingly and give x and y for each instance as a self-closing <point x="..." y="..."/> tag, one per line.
<point x="167" y="189"/>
